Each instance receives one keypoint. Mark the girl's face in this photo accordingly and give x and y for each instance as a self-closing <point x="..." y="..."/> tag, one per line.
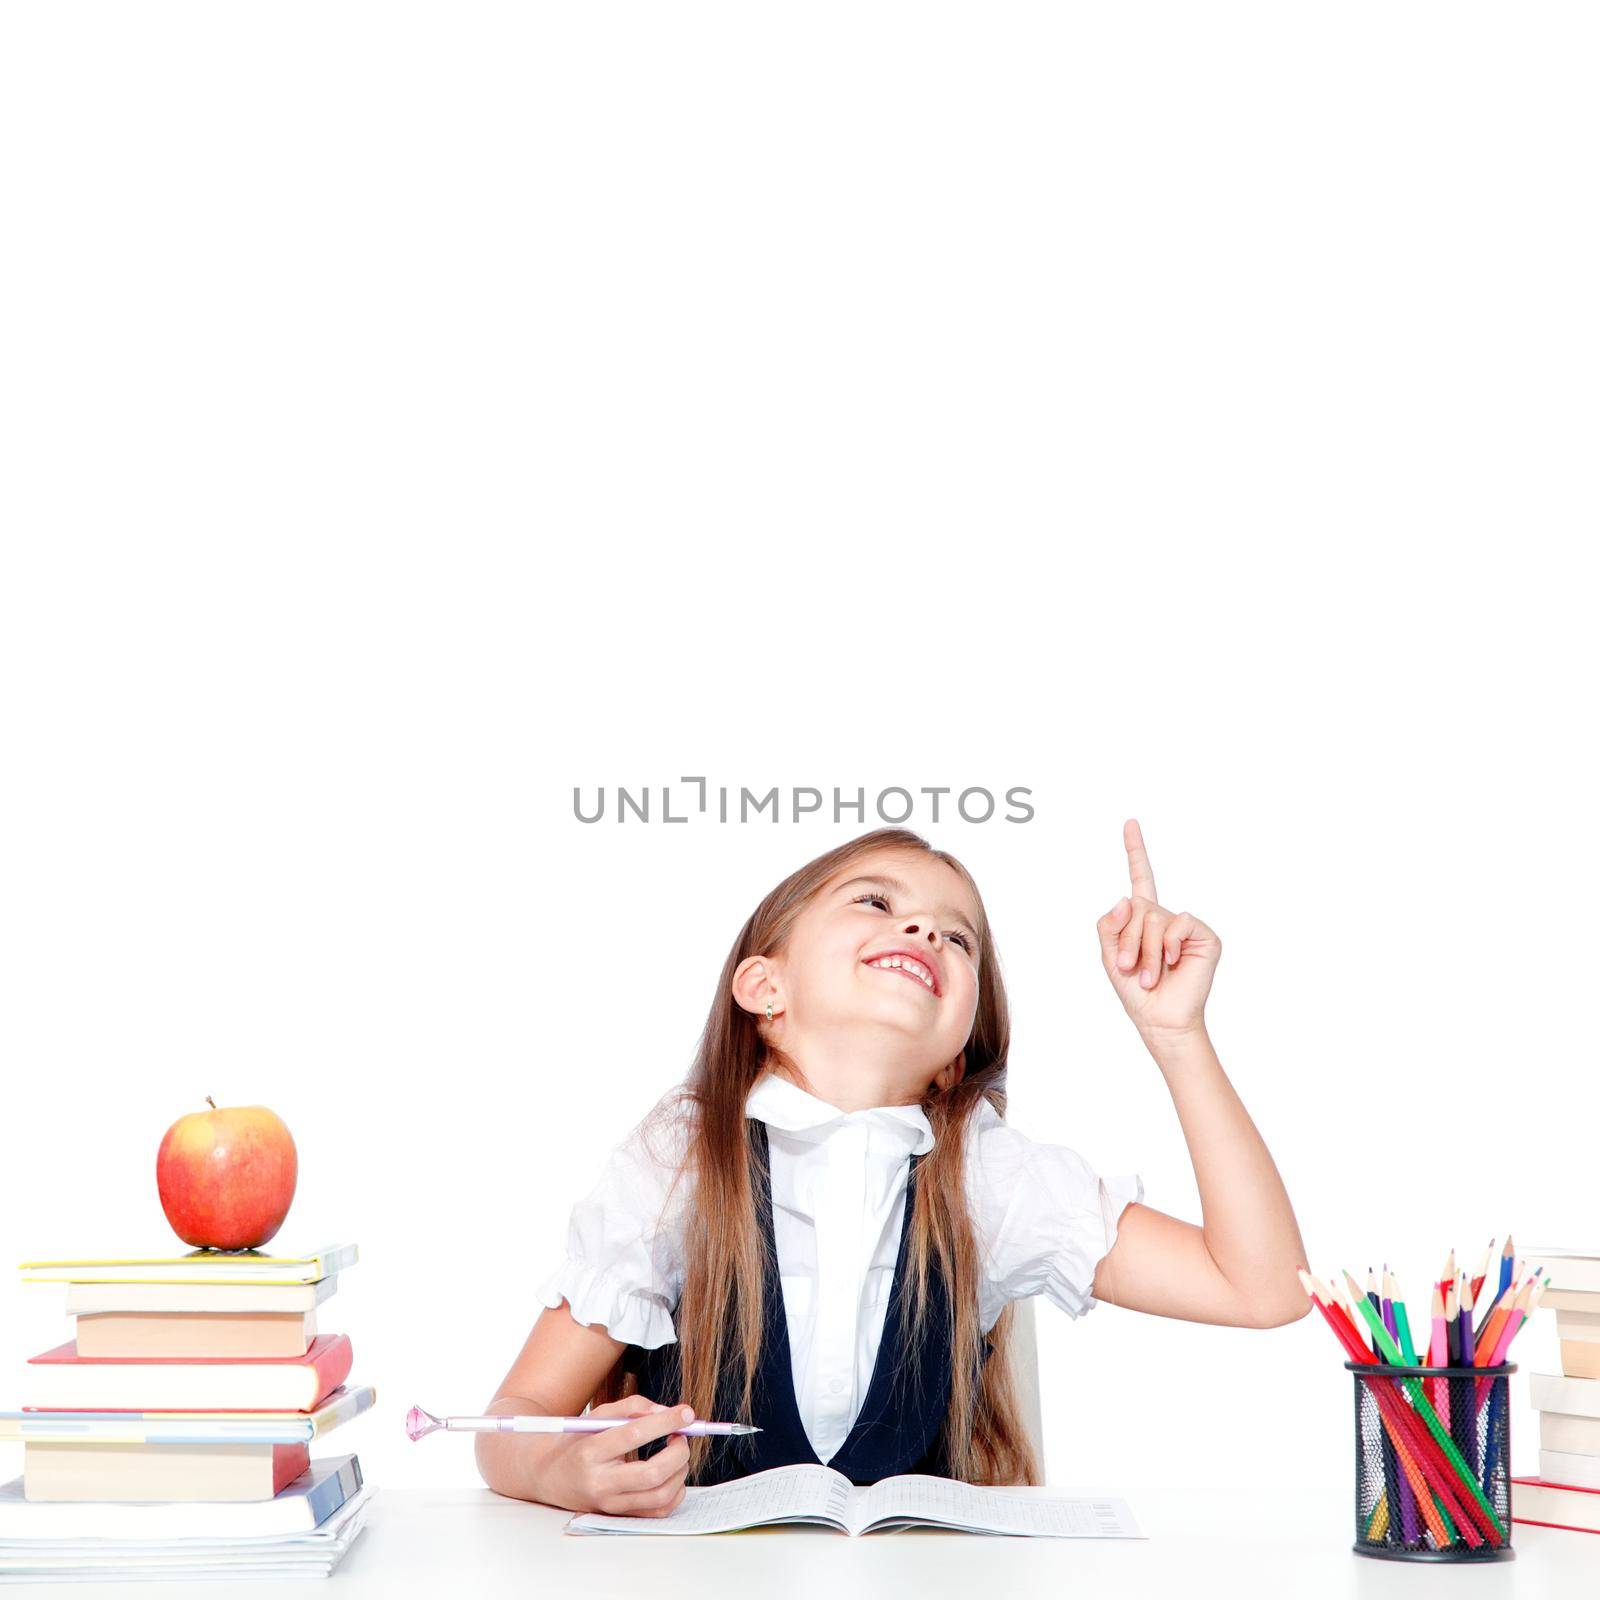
<point x="864" y="1031"/>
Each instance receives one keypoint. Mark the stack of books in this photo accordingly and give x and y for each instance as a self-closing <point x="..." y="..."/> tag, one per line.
<point x="1566" y="1494"/>
<point x="171" y="1437"/>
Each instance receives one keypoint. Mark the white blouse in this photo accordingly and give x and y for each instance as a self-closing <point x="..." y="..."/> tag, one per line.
<point x="1042" y="1217"/>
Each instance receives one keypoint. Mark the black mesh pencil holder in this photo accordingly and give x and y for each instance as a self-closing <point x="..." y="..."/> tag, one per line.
<point x="1433" y="1462"/>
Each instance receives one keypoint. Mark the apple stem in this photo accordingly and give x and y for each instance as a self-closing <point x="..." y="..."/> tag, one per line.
<point x="210" y="1102"/>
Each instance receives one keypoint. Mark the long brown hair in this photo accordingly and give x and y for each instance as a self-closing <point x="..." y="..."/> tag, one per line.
<point x="720" y="1311"/>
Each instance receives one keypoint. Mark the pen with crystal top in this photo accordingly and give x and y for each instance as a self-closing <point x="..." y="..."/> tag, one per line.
<point x="420" y="1422"/>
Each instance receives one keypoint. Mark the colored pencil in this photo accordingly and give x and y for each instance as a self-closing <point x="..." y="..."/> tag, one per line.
<point x="1391" y="1467"/>
<point x="1408" y="1507"/>
<point x="1465" y="1414"/>
<point x="1507" y="1257"/>
<point x="1336" y="1295"/>
<point x="1450" y="1411"/>
<point x="1482" y="1272"/>
<point x="1533" y="1301"/>
<point x="1391" y="1287"/>
<point x="1378" y="1526"/>
<point x="1323" y="1300"/>
<point x="1483" y="1341"/>
<point x="1386" y="1450"/>
<point x="1438" y="1348"/>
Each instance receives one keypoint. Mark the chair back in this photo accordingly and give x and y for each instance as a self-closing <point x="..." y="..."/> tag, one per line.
<point x="1025" y="1373"/>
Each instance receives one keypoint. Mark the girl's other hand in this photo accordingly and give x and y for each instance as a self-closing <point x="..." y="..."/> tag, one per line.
<point x="598" y="1471"/>
<point x="1159" y="962"/>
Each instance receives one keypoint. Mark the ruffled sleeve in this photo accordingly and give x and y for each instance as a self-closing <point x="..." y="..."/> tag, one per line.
<point x="1043" y="1216"/>
<point x="623" y="1267"/>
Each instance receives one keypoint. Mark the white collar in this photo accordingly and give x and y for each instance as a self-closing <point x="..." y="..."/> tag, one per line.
<point x="786" y="1105"/>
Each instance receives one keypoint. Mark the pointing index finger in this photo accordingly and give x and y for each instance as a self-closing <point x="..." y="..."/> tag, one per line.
<point x="1144" y="880"/>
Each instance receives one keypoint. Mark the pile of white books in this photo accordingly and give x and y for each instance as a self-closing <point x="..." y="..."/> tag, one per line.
<point x="1566" y="1494"/>
<point x="65" y="1540"/>
<point x="171" y="1437"/>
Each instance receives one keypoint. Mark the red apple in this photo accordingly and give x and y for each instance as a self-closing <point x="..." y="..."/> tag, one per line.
<point x="226" y="1176"/>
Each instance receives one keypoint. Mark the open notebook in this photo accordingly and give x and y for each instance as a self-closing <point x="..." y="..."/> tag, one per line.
<point x="911" y="1500"/>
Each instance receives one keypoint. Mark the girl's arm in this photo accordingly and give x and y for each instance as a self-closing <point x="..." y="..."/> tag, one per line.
<point x="1238" y="1265"/>
<point x="560" y="1367"/>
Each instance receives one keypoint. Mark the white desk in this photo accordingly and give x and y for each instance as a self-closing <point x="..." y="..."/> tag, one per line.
<point x="460" y="1543"/>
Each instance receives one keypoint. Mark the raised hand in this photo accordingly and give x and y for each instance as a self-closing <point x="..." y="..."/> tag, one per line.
<point x="1159" y="962"/>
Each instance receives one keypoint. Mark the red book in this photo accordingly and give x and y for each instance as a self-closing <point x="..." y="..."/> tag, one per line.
<point x="288" y="1462"/>
<point x="62" y="1380"/>
<point x="1555" y="1505"/>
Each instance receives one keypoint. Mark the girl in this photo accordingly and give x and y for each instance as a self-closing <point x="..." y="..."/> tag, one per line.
<point x="822" y="1229"/>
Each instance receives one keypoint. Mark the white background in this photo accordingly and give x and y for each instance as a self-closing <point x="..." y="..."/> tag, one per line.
<point x="413" y="412"/>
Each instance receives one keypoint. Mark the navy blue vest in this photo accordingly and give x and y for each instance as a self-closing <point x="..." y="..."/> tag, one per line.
<point x="896" y="1429"/>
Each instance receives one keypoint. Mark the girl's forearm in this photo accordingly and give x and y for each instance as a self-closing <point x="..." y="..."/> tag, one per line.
<point x="1249" y="1224"/>
<point x="518" y="1464"/>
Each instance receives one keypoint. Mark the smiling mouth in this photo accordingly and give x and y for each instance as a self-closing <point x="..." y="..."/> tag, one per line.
<point x="906" y="968"/>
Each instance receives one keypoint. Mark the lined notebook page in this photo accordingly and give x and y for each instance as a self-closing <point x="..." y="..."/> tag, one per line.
<point x="800" y="1490"/>
<point x="994" y="1510"/>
